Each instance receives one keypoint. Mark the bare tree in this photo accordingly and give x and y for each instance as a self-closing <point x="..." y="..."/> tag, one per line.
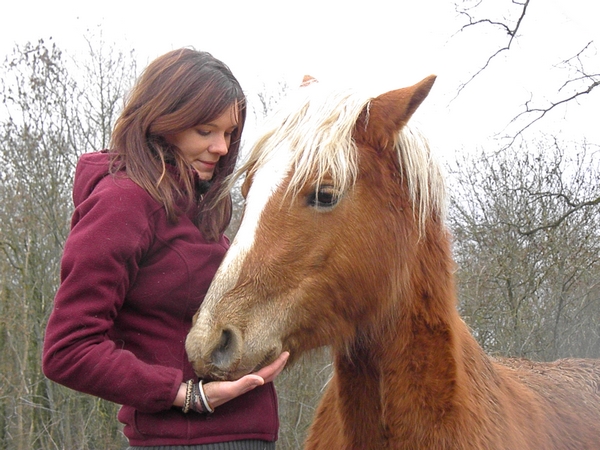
<point x="527" y="244"/>
<point x="48" y="125"/>
<point x="578" y="77"/>
<point x="107" y="73"/>
<point x="36" y="161"/>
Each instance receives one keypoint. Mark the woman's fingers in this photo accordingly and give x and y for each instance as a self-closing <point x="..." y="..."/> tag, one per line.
<point x="219" y="392"/>
<point x="270" y="372"/>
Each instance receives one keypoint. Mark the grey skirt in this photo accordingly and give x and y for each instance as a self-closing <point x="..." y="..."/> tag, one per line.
<point x="233" y="445"/>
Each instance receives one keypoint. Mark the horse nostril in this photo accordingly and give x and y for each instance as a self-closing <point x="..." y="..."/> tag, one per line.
<point x="227" y="350"/>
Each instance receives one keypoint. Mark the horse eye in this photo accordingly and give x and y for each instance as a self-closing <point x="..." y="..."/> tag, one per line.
<point x="323" y="197"/>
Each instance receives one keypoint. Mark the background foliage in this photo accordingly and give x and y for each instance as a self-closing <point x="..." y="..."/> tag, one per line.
<point x="525" y="222"/>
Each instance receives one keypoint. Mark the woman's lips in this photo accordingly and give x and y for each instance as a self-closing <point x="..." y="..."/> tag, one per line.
<point x="207" y="164"/>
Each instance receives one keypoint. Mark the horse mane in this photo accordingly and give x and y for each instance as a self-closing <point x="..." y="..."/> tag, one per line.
<point x="331" y="151"/>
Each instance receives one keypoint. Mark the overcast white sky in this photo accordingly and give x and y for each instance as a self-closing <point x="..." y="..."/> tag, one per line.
<point x="381" y="44"/>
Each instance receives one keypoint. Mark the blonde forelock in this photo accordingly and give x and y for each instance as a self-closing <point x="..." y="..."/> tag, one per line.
<point x="316" y="127"/>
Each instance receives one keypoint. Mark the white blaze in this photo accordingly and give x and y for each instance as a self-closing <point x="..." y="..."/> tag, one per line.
<point x="267" y="179"/>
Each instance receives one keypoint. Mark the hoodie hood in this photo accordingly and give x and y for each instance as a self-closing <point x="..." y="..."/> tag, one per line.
<point x="91" y="168"/>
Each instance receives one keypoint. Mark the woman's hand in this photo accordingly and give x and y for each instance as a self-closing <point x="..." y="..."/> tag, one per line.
<point x="219" y="392"/>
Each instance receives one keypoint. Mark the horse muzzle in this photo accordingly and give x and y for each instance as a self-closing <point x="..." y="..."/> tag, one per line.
<point x="222" y="353"/>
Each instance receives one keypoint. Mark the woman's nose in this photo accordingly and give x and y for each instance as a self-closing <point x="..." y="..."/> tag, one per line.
<point x="220" y="145"/>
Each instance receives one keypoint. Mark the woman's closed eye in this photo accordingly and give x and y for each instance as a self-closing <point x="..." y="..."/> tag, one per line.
<point x="204" y="133"/>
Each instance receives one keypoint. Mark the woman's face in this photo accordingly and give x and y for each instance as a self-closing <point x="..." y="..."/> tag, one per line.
<point x="203" y="145"/>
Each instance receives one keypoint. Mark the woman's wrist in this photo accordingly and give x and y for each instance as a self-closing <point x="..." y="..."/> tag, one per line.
<point x="192" y="397"/>
<point x="180" y="397"/>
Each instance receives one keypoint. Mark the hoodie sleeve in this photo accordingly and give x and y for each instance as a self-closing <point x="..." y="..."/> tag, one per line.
<point x="111" y="231"/>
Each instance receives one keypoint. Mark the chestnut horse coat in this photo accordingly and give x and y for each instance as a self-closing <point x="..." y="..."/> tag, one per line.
<point x="343" y="243"/>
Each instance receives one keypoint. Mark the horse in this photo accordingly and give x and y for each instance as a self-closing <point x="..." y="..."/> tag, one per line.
<point x="343" y="243"/>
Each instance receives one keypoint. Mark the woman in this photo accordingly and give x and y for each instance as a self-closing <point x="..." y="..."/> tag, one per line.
<point x="146" y="239"/>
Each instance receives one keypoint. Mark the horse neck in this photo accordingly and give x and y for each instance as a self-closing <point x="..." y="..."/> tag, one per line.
<point x="408" y="371"/>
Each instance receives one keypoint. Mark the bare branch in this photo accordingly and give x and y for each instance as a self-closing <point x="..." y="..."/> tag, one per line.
<point x="510" y="31"/>
<point x="535" y="114"/>
<point x="562" y="218"/>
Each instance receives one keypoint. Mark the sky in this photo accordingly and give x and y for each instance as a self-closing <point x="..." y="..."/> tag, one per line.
<point x="379" y="45"/>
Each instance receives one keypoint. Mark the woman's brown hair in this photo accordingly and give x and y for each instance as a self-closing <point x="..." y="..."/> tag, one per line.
<point x="178" y="91"/>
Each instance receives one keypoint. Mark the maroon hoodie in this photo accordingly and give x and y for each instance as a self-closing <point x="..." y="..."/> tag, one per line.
<point x="131" y="282"/>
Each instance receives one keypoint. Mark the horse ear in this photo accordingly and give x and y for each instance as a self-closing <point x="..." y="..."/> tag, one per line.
<point x="307" y="80"/>
<point x="385" y="116"/>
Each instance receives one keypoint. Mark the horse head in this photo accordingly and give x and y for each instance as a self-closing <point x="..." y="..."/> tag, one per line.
<point x="337" y="193"/>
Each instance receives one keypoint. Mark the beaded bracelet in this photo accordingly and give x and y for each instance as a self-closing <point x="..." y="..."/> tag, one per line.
<point x="188" y="396"/>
